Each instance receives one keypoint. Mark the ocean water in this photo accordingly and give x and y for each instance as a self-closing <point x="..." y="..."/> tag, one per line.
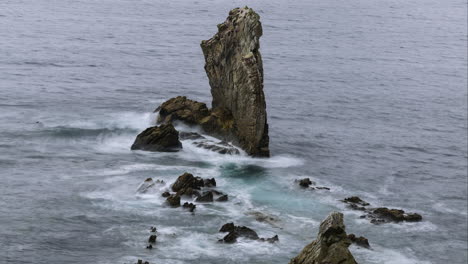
<point x="366" y="97"/>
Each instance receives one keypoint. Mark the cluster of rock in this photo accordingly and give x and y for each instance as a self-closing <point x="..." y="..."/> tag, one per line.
<point x="381" y="214"/>
<point x="234" y="232"/>
<point x="331" y="245"/>
<point x="233" y="64"/>
<point x="190" y="186"/>
<point x="306" y="184"/>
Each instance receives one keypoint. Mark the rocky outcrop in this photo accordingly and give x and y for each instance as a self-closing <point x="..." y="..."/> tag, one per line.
<point x="359" y="241"/>
<point x="235" y="72"/>
<point x="234" y="232"/>
<point x="163" y="138"/>
<point x="331" y="245"/>
<point x="381" y="215"/>
<point x="233" y="64"/>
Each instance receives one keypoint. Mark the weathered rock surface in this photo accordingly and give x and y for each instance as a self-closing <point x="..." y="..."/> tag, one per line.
<point x="233" y="64"/>
<point x="382" y="214"/>
<point x="164" y="138"/>
<point x="385" y="215"/>
<point x="234" y="232"/>
<point x="235" y="72"/>
<point x="189" y="206"/>
<point x="360" y="241"/>
<point x="331" y="245"/>
<point x="173" y="200"/>
<point x="183" y="109"/>
<point x="186" y="183"/>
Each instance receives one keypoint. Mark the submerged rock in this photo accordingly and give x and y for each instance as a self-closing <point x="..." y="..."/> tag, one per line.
<point x="146" y="185"/>
<point x="234" y="232"/>
<point x="360" y="241"/>
<point x="189" y="206"/>
<point x="331" y="245"/>
<point x="305" y="183"/>
<point x="206" y="197"/>
<point x="221" y="147"/>
<point x="163" y="138"/>
<point x="355" y="200"/>
<point x="190" y="135"/>
<point x="385" y="215"/>
<point x="222" y="198"/>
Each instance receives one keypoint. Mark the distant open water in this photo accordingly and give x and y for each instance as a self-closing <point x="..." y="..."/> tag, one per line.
<point x="366" y="97"/>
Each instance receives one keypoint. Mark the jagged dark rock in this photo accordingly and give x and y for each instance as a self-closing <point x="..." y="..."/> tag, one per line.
<point x="360" y="241"/>
<point x="173" y="200"/>
<point x="189" y="206"/>
<point x="331" y="245"/>
<point x="355" y="200"/>
<point x="164" y="138"/>
<point x="166" y="194"/>
<point x="234" y="67"/>
<point x="141" y="262"/>
<point x="385" y="215"/>
<point x="222" y="198"/>
<point x="209" y="182"/>
<point x="153" y="229"/>
<point x="234" y="232"/>
<point x="206" y="197"/>
<point x="152" y="239"/>
<point x="186" y="184"/>
<point x="305" y="183"/>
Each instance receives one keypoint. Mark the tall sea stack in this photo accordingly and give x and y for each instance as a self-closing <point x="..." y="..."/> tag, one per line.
<point x="234" y="67"/>
<point x="235" y="72"/>
<point x="331" y="245"/>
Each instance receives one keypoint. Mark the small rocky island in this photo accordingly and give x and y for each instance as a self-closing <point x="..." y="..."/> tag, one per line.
<point x="233" y="64"/>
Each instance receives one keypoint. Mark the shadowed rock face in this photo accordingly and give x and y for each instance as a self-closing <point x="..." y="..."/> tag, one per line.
<point x="235" y="72"/>
<point x="163" y="138"/>
<point x="331" y="245"/>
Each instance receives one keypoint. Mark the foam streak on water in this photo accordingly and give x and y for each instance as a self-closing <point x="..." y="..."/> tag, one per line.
<point x="366" y="97"/>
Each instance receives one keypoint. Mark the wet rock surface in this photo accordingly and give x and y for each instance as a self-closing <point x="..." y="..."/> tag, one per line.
<point x="306" y="183"/>
<point x="164" y="138"/>
<point x="234" y="67"/>
<point x="382" y="214"/>
<point x="173" y="200"/>
<point x="235" y="232"/>
<point x="189" y="206"/>
<point x="359" y="241"/>
<point x="331" y="245"/>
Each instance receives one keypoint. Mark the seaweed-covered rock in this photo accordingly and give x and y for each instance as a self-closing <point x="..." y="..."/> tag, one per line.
<point x="164" y="138"/>
<point x="331" y="245"/>
<point x="305" y="183"/>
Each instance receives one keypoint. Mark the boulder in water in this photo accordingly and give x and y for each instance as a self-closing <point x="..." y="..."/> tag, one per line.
<point x="164" y="138"/>
<point x="360" y="241"/>
<point x="385" y="215"/>
<point x="331" y="245"/>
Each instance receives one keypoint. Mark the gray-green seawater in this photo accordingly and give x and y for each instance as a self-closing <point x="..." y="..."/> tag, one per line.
<point x="366" y="97"/>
